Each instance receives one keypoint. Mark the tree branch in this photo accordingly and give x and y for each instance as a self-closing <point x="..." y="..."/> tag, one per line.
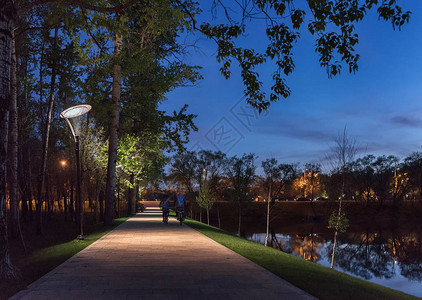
<point x="78" y="3"/>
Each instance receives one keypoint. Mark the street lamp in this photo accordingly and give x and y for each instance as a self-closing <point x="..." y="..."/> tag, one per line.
<point x="73" y="116"/>
<point x="63" y="163"/>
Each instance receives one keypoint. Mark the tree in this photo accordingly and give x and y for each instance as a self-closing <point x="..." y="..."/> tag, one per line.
<point x="13" y="147"/>
<point x="332" y="22"/>
<point x="241" y="173"/>
<point x="276" y="176"/>
<point x="205" y="199"/>
<point x="339" y="223"/>
<point x="384" y="167"/>
<point x="7" y="270"/>
<point x="94" y="162"/>
<point x="46" y="131"/>
<point x="399" y="185"/>
<point x="343" y="154"/>
<point x="182" y="171"/>
<point x="363" y="175"/>
<point x="313" y="184"/>
<point x="413" y="166"/>
<point x="213" y="163"/>
<point x="142" y="54"/>
<point x="141" y="158"/>
<point x="113" y="133"/>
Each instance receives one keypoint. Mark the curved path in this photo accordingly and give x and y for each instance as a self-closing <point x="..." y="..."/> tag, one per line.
<point x="146" y="259"/>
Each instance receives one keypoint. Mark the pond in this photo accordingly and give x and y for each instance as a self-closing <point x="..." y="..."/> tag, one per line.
<point x="391" y="259"/>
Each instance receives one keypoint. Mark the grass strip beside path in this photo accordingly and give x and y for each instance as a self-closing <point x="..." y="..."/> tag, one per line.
<point x="57" y="254"/>
<point x="317" y="280"/>
<point x="39" y="263"/>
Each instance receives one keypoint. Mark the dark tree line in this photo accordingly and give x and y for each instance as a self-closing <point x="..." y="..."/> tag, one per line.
<point x="367" y="179"/>
<point x="378" y="179"/>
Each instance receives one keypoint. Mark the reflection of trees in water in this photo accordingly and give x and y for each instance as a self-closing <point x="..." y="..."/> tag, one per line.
<point x="374" y="255"/>
<point x="368" y="258"/>
<point x="279" y="241"/>
<point x="307" y="246"/>
<point x="367" y="255"/>
<point x="407" y="252"/>
<point x="275" y="243"/>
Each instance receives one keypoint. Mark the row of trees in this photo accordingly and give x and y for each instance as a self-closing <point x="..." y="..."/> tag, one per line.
<point x="367" y="179"/>
<point x="381" y="178"/>
<point x="115" y="57"/>
<point x="207" y="176"/>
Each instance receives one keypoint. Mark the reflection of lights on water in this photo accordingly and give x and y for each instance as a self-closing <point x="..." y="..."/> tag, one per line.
<point x="301" y="245"/>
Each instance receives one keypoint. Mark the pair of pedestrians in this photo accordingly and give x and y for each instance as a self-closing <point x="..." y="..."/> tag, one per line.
<point x="179" y="205"/>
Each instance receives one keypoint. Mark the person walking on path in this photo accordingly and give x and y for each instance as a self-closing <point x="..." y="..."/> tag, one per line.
<point x="165" y="206"/>
<point x="180" y="207"/>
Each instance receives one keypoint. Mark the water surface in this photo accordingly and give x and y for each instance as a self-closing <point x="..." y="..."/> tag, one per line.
<point x="390" y="259"/>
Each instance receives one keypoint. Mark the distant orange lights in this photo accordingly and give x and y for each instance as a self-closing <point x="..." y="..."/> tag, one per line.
<point x="63" y="163"/>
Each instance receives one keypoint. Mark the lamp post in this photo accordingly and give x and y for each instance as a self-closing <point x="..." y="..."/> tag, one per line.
<point x="63" y="164"/>
<point x="73" y="116"/>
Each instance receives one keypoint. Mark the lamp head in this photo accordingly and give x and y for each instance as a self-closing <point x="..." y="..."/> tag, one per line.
<point x="72" y="115"/>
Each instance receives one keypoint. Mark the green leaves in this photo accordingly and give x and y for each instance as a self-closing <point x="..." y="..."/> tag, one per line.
<point x="141" y="156"/>
<point x="205" y="198"/>
<point x="332" y="22"/>
<point x="338" y="223"/>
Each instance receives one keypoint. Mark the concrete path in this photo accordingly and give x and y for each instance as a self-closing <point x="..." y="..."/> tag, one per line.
<point x="146" y="259"/>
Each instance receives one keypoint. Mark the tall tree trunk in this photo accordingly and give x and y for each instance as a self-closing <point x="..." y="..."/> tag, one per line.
<point x="23" y="184"/>
<point x="200" y="214"/>
<point x="268" y="217"/>
<point x="208" y="215"/>
<point x="132" y="202"/>
<point x="191" y="208"/>
<point x="7" y="12"/>
<point x="101" y="204"/>
<point x="71" y="203"/>
<point x="240" y="220"/>
<point x="13" y="149"/>
<point x="29" y="185"/>
<point x="25" y="153"/>
<point x="46" y="138"/>
<point x="65" y="204"/>
<point x="114" y="130"/>
<point x="334" y="249"/>
<point x="118" y="198"/>
<point x="218" y="215"/>
<point x="39" y="199"/>
<point x="96" y="203"/>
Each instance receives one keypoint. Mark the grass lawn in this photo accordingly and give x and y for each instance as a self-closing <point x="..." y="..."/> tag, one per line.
<point x="40" y="262"/>
<point x="57" y="254"/>
<point x="317" y="280"/>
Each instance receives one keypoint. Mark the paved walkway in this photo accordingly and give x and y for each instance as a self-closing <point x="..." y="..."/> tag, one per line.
<point x="146" y="259"/>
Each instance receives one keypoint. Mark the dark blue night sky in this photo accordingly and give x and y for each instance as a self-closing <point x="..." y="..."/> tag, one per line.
<point x="381" y="104"/>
